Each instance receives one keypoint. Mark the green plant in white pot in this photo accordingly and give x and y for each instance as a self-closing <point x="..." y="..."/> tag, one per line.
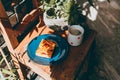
<point x="61" y="12"/>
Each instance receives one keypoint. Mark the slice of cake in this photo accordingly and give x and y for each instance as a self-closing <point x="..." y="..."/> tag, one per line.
<point x="45" y="48"/>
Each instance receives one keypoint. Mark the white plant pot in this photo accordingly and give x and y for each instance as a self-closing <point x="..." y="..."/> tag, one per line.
<point x="54" y="22"/>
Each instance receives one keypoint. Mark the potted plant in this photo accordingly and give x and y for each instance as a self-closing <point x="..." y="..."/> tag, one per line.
<point x="61" y="12"/>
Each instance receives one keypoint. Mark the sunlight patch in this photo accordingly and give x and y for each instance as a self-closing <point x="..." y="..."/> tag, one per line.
<point x="93" y="13"/>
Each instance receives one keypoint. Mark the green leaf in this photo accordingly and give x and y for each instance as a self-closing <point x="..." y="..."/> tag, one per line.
<point x="6" y="71"/>
<point x="67" y="5"/>
<point x="1" y="61"/>
<point x="52" y="2"/>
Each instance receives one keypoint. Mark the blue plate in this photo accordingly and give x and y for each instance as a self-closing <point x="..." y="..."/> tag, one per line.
<point x="60" y="52"/>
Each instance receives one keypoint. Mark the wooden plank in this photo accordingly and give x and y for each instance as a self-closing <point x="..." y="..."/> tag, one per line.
<point x="68" y="68"/>
<point x="6" y="29"/>
<point x="8" y="35"/>
<point x="110" y="70"/>
<point x="2" y="11"/>
<point x="40" y="29"/>
<point x="65" y="70"/>
<point x="41" y="70"/>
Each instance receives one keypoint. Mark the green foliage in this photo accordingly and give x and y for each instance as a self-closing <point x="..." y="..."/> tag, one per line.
<point x="11" y="74"/>
<point x="70" y="10"/>
<point x="67" y="5"/>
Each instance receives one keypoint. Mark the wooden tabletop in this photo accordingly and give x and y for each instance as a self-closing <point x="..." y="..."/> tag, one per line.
<point x="65" y="70"/>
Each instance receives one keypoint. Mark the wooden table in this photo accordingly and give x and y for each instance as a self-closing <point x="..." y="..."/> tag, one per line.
<point x="65" y="70"/>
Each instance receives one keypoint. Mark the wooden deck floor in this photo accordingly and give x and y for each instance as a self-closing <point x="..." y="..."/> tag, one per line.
<point x="107" y="51"/>
<point x="105" y="62"/>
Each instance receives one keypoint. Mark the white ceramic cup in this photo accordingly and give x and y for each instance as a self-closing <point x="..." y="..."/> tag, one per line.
<point x="75" y="35"/>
